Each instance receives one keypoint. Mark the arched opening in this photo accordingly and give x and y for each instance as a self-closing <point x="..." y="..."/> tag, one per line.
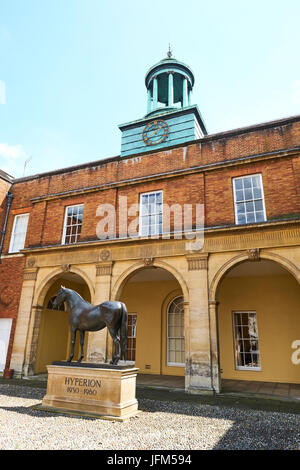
<point x="54" y="334"/>
<point x="154" y="300"/>
<point x="259" y="323"/>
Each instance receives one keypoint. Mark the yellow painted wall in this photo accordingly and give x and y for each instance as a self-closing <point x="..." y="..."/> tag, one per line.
<point x="54" y="336"/>
<point x="276" y="301"/>
<point x="149" y="300"/>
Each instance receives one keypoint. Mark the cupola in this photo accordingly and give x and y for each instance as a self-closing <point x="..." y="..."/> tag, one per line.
<point x="169" y="86"/>
<point x="171" y="119"/>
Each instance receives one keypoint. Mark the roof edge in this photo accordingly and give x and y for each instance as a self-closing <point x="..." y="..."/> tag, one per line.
<point x="219" y="135"/>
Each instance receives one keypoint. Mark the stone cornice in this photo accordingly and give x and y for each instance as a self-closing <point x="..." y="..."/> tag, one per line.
<point x="215" y="241"/>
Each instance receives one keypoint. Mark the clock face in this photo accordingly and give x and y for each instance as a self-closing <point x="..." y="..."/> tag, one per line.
<point x="155" y="132"/>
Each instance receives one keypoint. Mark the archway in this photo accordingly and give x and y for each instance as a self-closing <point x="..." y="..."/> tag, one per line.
<point x="154" y="300"/>
<point x="54" y="335"/>
<point x="258" y="322"/>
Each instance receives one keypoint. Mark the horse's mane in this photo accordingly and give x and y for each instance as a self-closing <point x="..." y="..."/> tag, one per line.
<point x="74" y="292"/>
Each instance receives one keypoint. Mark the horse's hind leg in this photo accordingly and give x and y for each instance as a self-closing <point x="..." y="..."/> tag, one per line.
<point x="73" y="338"/>
<point x="81" y="345"/>
<point x="116" y="348"/>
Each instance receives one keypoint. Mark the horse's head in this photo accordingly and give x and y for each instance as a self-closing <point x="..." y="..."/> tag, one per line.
<point x="61" y="297"/>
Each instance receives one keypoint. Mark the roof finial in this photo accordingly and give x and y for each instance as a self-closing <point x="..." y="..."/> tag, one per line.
<point x="169" y="52"/>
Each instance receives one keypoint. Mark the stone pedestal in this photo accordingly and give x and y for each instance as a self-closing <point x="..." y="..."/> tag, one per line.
<point x="107" y="391"/>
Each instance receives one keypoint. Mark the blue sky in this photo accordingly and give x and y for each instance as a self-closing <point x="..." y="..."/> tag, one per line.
<point x="72" y="70"/>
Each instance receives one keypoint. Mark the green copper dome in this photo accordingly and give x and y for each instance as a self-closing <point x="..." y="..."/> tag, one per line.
<point x="169" y="63"/>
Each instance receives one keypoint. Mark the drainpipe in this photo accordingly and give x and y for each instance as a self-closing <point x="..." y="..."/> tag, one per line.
<point x="9" y="198"/>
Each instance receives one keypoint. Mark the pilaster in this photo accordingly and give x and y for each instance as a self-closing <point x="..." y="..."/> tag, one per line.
<point x="23" y="321"/>
<point x="198" y="364"/>
<point x="32" y="341"/>
<point x="215" y="356"/>
<point x="97" y="340"/>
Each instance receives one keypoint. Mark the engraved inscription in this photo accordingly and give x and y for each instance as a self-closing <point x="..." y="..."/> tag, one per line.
<point x="76" y="385"/>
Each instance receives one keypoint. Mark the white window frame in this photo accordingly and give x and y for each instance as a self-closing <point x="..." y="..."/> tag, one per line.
<point x="173" y="364"/>
<point x="237" y="367"/>
<point x="13" y="232"/>
<point x="63" y="240"/>
<point x="249" y="200"/>
<point x="131" y="361"/>
<point x="141" y="214"/>
<point x="5" y="332"/>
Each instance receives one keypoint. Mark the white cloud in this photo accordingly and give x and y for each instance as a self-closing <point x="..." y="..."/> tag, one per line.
<point x="12" y="159"/>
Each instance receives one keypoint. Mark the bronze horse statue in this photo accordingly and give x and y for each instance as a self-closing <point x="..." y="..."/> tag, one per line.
<point x="86" y="317"/>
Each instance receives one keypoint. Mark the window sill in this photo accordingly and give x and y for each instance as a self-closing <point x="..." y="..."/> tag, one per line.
<point x="173" y="364"/>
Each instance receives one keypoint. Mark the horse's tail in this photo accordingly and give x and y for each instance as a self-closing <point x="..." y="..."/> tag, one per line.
<point x="124" y="332"/>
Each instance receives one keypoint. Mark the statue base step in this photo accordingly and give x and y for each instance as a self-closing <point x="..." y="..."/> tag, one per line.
<point x="104" y="392"/>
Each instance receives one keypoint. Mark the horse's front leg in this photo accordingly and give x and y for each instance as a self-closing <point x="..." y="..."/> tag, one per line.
<point x="73" y="338"/>
<point x="81" y="345"/>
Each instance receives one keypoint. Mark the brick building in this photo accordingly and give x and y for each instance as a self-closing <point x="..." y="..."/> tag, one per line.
<point x="227" y="310"/>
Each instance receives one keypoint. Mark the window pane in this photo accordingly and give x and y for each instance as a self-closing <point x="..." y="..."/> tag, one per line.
<point x="175" y="338"/>
<point x="159" y="197"/>
<point x="73" y="224"/>
<point x="249" y="206"/>
<point x="131" y="343"/>
<point x="251" y="196"/>
<point x="19" y="233"/>
<point x="260" y="217"/>
<point x="256" y="181"/>
<point x="247" y="182"/>
<point x="257" y="193"/>
<point x="246" y="339"/>
<point x="250" y="217"/>
<point x="239" y="195"/>
<point x="241" y="219"/>
<point x="238" y="184"/>
<point x="241" y="208"/>
<point x="151" y="207"/>
<point x="258" y="205"/>
<point x="248" y="194"/>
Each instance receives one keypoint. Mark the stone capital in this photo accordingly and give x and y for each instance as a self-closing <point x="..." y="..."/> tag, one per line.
<point x="197" y="262"/>
<point x="104" y="269"/>
<point x="30" y="274"/>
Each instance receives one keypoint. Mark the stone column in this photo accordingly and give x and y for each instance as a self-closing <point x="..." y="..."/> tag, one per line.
<point x="170" y="89"/>
<point x="149" y="102"/>
<point x="97" y="340"/>
<point x="155" y="93"/>
<point x="23" y="322"/>
<point x="198" y="365"/>
<point x="184" y="92"/>
<point x="189" y="97"/>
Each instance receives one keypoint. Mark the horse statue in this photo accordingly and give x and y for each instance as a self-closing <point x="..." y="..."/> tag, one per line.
<point x="86" y="317"/>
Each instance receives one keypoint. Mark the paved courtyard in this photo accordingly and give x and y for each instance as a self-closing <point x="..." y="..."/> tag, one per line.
<point x="169" y="420"/>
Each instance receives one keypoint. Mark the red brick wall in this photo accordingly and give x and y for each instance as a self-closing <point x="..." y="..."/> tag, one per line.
<point x="4" y="187"/>
<point x="11" y="280"/>
<point x="281" y="180"/>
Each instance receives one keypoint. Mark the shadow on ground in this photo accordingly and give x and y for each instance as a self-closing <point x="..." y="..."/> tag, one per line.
<point x="250" y="427"/>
